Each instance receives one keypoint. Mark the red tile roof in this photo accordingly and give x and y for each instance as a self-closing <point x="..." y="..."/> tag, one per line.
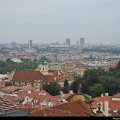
<point x="52" y="78"/>
<point x="58" y="97"/>
<point x="52" y="112"/>
<point x="48" y="78"/>
<point x="112" y="103"/>
<point x="117" y="113"/>
<point x="116" y="95"/>
<point x="39" y="95"/>
<point x="10" y="88"/>
<point x="2" y="85"/>
<point x="30" y="107"/>
<point x="55" y="72"/>
<point x="25" y="88"/>
<point x="14" y="99"/>
<point x="100" y="99"/>
<point x="75" y="108"/>
<point x="27" y="75"/>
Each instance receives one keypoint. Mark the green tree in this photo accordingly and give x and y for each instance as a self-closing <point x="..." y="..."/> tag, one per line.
<point x="52" y="88"/>
<point x="8" y="84"/>
<point x="85" y="87"/>
<point x="66" y="89"/>
<point x="111" y="72"/>
<point x="118" y="65"/>
<point x="43" y="59"/>
<point x="97" y="90"/>
<point x="77" y="78"/>
<point x="74" y="85"/>
<point x="92" y="80"/>
<point x="110" y="83"/>
<point x="66" y="84"/>
<point x="93" y="73"/>
<point x="91" y="76"/>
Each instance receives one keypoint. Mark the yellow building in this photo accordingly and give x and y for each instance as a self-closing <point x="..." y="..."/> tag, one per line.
<point x="80" y="96"/>
<point x="28" y="78"/>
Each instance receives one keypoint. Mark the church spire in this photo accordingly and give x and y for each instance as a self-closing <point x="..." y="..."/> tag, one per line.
<point x="79" y="90"/>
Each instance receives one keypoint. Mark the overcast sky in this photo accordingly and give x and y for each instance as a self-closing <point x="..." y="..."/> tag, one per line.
<point x="46" y="21"/>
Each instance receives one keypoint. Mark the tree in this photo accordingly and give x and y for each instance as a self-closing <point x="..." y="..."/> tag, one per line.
<point x="74" y="85"/>
<point x="91" y="76"/>
<point x="118" y="65"/>
<point x="77" y="78"/>
<point x="8" y="84"/>
<point x="111" y="72"/>
<point x="43" y="59"/>
<point x="85" y="87"/>
<point x="66" y="84"/>
<point x="97" y="90"/>
<point x="52" y="88"/>
<point x="92" y="80"/>
<point x="9" y="61"/>
<point x="66" y="89"/>
<point x="110" y="83"/>
<point x="93" y="73"/>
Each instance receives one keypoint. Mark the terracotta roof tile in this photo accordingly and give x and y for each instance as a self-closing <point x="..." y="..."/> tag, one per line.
<point x="100" y="99"/>
<point x="48" y="78"/>
<point x="75" y="108"/>
<point x="116" y="95"/>
<point x="27" y="75"/>
<point x="52" y="112"/>
<point x="2" y="85"/>
<point x="112" y="103"/>
<point x="10" y="88"/>
<point x="35" y="94"/>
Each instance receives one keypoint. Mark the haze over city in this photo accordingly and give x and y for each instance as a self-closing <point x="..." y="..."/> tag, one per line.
<point x="46" y="21"/>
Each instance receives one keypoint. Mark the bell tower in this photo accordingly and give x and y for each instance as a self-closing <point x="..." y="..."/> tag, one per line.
<point x="43" y="68"/>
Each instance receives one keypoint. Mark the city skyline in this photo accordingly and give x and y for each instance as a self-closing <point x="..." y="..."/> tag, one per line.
<point x="47" y="22"/>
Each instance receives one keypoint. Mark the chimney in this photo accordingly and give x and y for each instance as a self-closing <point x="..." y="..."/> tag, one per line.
<point x="62" y="95"/>
<point x="54" y="78"/>
<point x="71" y="92"/>
<point x="101" y="95"/>
<point x="47" y="101"/>
<point x="106" y="94"/>
<point x="106" y="108"/>
<point x="29" y="91"/>
<point x="61" y="92"/>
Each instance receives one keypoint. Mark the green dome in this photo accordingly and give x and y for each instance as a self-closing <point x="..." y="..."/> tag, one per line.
<point x="44" y="62"/>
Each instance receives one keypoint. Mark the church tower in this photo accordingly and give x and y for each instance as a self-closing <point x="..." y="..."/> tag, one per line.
<point x="43" y="68"/>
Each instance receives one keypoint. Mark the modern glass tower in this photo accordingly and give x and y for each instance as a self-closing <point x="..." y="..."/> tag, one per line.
<point x="30" y="44"/>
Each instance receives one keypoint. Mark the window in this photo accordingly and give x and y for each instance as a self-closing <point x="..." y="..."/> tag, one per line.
<point x="32" y="84"/>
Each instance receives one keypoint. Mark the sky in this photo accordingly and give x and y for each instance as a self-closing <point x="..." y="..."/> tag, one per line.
<point x="47" y="21"/>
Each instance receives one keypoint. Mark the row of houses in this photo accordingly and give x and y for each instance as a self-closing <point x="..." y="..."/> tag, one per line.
<point x="36" y="79"/>
<point x="108" y="105"/>
<point x="40" y="103"/>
